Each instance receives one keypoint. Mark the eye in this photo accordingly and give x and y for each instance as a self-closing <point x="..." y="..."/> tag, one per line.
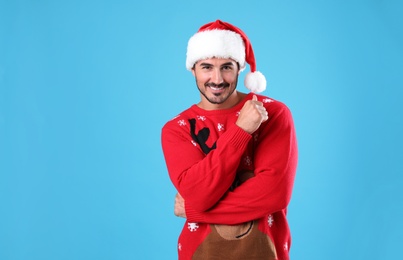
<point x="206" y="67"/>
<point x="227" y="67"/>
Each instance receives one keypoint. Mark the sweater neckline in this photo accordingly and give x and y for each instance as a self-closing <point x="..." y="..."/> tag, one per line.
<point x="231" y="110"/>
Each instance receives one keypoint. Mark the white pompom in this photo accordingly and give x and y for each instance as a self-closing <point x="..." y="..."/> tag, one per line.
<point x="255" y="82"/>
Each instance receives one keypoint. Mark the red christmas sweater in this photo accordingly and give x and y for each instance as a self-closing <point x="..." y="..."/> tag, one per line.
<point x="236" y="186"/>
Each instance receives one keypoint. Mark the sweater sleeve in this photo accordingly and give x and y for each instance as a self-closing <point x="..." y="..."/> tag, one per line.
<point x="201" y="179"/>
<point x="270" y="190"/>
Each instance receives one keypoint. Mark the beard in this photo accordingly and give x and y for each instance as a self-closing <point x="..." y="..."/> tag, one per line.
<point x="218" y="98"/>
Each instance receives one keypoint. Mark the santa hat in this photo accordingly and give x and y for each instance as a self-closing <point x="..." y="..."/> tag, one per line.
<point x="222" y="40"/>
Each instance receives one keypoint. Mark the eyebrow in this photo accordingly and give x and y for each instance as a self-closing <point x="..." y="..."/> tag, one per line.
<point x="222" y="65"/>
<point x="205" y="64"/>
<point x="227" y="64"/>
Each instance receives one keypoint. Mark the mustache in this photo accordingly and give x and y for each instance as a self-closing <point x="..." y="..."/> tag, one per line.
<point x="211" y="84"/>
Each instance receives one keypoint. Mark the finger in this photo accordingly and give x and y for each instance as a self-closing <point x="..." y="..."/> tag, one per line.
<point x="254" y="98"/>
<point x="261" y="108"/>
<point x="265" y="116"/>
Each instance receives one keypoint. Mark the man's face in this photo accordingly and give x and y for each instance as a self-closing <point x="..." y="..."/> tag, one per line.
<point x="216" y="80"/>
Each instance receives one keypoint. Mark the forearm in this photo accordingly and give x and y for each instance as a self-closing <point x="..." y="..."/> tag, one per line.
<point x="257" y="197"/>
<point x="270" y="190"/>
<point x="203" y="179"/>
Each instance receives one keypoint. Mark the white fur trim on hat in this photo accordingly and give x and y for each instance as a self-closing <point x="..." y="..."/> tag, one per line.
<point x="215" y="43"/>
<point x="255" y="82"/>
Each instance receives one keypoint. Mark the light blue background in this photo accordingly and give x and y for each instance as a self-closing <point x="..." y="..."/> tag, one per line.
<point x="85" y="87"/>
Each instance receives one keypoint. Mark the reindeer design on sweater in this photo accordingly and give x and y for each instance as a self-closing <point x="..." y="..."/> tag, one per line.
<point x="243" y="240"/>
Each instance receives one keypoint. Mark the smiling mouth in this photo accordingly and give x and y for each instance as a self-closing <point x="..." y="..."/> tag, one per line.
<point x="218" y="87"/>
<point x="217" y="90"/>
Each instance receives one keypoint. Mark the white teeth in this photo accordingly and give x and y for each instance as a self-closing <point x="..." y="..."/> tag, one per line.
<point x="213" y="88"/>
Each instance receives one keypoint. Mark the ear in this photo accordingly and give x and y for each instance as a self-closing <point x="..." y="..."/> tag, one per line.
<point x="193" y="71"/>
<point x="239" y="68"/>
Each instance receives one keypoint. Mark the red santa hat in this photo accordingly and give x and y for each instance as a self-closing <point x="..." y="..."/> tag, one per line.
<point x="222" y="40"/>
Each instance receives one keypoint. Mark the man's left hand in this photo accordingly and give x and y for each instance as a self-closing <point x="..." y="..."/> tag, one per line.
<point x="179" y="208"/>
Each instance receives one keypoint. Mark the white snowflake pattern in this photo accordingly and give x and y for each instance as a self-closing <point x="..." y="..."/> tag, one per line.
<point x="267" y="100"/>
<point x="182" y="122"/>
<point x="238" y="113"/>
<point x="270" y="220"/>
<point x="220" y="127"/>
<point x="202" y="118"/>
<point x="247" y="160"/>
<point x="286" y="246"/>
<point x="180" y="247"/>
<point x="194" y="143"/>
<point x="192" y="226"/>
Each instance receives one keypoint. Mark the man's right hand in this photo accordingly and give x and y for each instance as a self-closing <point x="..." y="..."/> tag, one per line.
<point x="252" y="115"/>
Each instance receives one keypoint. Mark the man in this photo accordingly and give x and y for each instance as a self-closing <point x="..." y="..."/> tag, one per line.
<point x="232" y="157"/>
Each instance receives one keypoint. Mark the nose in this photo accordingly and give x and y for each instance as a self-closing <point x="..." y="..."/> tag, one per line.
<point x="216" y="76"/>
